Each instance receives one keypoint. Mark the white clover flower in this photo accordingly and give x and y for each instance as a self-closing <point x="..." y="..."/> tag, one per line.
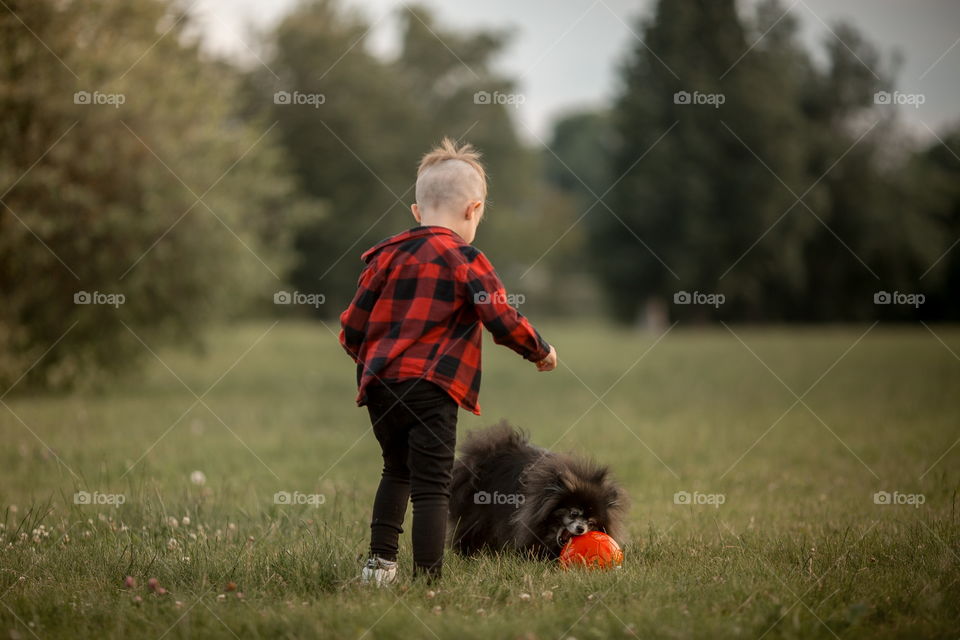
<point x="198" y="478"/>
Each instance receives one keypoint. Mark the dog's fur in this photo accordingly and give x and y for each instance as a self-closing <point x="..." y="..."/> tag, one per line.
<point x="562" y="496"/>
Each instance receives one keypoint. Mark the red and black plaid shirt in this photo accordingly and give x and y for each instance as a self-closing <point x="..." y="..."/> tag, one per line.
<point x="417" y="314"/>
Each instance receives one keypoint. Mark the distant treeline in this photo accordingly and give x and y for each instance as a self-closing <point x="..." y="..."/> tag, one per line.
<point x="741" y="167"/>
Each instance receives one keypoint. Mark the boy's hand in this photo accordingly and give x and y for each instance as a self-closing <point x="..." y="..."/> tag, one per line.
<point x="550" y="362"/>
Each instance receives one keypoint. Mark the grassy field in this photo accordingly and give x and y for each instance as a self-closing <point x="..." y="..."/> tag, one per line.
<point x="793" y="430"/>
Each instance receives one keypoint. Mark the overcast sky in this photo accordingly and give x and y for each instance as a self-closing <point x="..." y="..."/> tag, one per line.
<point x="566" y="54"/>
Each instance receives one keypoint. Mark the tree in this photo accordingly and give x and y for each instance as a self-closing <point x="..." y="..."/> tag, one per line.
<point x="102" y="167"/>
<point x="575" y="175"/>
<point x="764" y="177"/>
<point x="358" y="150"/>
<point x="863" y="239"/>
<point x="682" y="212"/>
<point x="934" y="177"/>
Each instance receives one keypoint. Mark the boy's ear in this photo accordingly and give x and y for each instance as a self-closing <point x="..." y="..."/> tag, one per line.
<point x="415" y="210"/>
<point x="474" y="210"/>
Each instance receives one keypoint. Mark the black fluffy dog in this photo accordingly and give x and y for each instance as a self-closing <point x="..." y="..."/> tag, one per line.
<point x="509" y="494"/>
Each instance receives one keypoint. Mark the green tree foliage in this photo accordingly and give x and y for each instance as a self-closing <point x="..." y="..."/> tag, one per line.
<point x="358" y="150"/>
<point x="575" y="176"/>
<point x="581" y="145"/>
<point x="124" y="170"/>
<point x="787" y="196"/>
<point x="868" y="235"/>
<point x="934" y="176"/>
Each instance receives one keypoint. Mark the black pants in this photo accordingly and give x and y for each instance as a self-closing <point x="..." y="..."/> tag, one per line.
<point x="415" y="422"/>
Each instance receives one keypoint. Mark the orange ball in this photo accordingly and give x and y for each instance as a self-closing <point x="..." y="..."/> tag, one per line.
<point x="594" y="550"/>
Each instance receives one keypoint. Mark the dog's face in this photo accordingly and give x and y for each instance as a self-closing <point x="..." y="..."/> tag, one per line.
<point x="582" y="509"/>
<point x="567" y="497"/>
<point x="575" y="520"/>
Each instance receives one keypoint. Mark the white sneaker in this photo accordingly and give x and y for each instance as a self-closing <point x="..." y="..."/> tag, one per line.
<point x="379" y="572"/>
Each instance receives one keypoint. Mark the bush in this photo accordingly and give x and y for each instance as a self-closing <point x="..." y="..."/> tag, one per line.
<point x="129" y="182"/>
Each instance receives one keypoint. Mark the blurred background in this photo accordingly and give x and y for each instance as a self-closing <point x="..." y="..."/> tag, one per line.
<point x="168" y="167"/>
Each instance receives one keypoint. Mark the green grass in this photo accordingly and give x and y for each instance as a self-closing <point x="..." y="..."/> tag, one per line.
<point x="799" y="549"/>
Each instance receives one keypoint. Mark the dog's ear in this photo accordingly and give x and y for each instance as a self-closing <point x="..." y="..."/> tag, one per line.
<point x="532" y="515"/>
<point x="563" y="482"/>
<point x="616" y="498"/>
<point x="617" y="505"/>
<point x="600" y="475"/>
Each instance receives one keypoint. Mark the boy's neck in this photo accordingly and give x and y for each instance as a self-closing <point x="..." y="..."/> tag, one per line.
<point x="439" y="223"/>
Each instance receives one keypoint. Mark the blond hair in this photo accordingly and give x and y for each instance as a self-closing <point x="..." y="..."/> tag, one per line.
<point x="450" y="175"/>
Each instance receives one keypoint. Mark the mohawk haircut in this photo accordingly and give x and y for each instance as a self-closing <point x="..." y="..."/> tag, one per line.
<point x="449" y="176"/>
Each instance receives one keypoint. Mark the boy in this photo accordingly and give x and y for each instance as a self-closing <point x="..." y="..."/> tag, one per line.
<point x="413" y="329"/>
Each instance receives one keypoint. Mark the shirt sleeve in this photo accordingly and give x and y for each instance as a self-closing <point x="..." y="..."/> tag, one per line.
<point x="507" y="325"/>
<point x="353" y="321"/>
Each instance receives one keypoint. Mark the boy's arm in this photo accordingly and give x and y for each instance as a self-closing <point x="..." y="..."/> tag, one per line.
<point x="507" y="325"/>
<point x="353" y="321"/>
